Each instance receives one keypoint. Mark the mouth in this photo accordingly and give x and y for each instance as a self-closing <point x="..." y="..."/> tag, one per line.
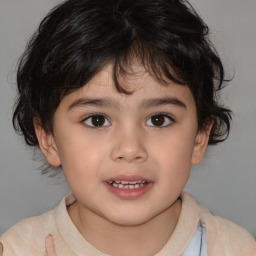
<point x="122" y="184"/>
<point x="128" y="187"/>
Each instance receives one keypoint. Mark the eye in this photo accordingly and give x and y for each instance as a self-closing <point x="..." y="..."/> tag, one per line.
<point x="159" y="120"/>
<point x="96" y="120"/>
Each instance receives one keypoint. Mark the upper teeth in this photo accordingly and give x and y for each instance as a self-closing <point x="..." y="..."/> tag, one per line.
<point x="127" y="184"/>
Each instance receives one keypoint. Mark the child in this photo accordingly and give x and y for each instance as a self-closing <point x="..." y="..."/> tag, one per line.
<point x="122" y="96"/>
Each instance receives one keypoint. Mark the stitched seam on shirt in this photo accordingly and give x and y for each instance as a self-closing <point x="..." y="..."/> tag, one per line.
<point x="201" y="229"/>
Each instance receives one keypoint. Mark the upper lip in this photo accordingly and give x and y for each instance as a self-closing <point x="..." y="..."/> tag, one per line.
<point x="128" y="178"/>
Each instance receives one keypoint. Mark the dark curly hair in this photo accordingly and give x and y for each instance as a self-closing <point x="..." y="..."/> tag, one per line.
<point x="78" y="38"/>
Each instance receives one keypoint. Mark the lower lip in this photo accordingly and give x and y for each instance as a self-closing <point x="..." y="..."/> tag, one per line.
<point x="129" y="194"/>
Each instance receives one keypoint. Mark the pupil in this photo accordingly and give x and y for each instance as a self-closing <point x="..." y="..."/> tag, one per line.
<point x="158" y="120"/>
<point x="98" y="120"/>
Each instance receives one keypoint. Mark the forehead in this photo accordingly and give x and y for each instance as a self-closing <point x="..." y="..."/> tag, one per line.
<point x="138" y="81"/>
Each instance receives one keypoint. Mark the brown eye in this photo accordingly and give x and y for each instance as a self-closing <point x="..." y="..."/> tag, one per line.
<point x="97" y="121"/>
<point x="159" y="120"/>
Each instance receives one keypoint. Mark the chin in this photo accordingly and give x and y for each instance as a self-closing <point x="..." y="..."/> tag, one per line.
<point x="129" y="219"/>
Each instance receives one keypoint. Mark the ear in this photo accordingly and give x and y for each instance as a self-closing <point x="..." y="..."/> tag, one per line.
<point x="201" y="143"/>
<point x="47" y="145"/>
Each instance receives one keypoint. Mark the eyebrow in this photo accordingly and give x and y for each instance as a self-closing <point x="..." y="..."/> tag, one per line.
<point x="112" y="103"/>
<point x="149" y="103"/>
<point x="103" y="102"/>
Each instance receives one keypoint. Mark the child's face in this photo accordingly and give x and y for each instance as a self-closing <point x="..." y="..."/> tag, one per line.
<point x="150" y="137"/>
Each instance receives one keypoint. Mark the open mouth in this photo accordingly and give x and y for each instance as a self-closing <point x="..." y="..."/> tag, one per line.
<point x="129" y="187"/>
<point x="123" y="184"/>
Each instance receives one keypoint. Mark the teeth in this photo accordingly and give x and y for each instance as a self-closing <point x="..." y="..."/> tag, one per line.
<point x="134" y="182"/>
<point x="127" y="184"/>
<point x="130" y="182"/>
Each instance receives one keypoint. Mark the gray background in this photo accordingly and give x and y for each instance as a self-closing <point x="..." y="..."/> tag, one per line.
<point x="225" y="181"/>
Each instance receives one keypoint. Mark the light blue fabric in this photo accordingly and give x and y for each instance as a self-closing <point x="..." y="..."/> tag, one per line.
<point x="197" y="245"/>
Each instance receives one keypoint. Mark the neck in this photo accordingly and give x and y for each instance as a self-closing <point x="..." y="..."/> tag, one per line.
<point x="118" y="240"/>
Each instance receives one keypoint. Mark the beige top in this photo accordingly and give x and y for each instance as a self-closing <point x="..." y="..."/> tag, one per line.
<point x="223" y="237"/>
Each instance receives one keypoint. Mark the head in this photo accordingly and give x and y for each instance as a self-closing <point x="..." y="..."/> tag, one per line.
<point x="130" y="51"/>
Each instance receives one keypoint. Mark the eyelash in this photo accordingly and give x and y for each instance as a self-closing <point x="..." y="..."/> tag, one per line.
<point x="165" y="116"/>
<point x="95" y="115"/>
<point x="170" y="119"/>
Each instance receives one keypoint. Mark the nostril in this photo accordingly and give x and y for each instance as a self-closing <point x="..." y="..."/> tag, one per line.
<point x="129" y="149"/>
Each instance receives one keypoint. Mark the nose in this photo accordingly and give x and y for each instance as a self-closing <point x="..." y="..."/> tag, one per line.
<point x="129" y="146"/>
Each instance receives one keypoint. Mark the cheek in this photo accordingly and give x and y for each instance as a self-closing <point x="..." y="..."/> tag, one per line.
<point x="174" y="150"/>
<point x="76" y="147"/>
<point x="80" y="161"/>
<point x="173" y="157"/>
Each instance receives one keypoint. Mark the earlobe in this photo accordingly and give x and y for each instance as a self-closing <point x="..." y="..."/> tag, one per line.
<point x="200" y="146"/>
<point x="47" y="145"/>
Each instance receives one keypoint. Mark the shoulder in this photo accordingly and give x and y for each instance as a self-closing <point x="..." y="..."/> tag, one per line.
<point x="225" y="237"/>
<point x="27" y="237"/>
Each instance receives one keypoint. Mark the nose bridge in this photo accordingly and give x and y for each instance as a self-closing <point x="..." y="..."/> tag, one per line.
<point x="129" y="144"/>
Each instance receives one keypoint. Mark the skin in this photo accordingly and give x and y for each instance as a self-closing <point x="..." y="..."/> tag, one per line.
<point x="128" y="143"/>
<point x="49" y="246"/>
<point x="1" y="250"/>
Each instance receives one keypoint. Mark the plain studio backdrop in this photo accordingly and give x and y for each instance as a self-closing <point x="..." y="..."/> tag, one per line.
<point x="226" y="180"/>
